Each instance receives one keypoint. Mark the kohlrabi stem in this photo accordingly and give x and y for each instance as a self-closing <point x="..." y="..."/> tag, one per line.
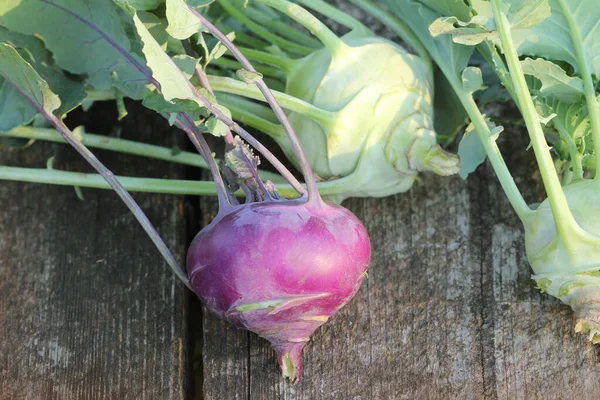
<point x="114" y="183"/>
<point x="286" y="64"/>
<point x="262" y="32"/>
<point x="566" y="226"/>
<point x="258" y="109"/>
<point x="493" y="152"/>
<point x="291" y="103"/>
<point x="243" y="38"/>
<point x="337" y="15"/>
<point x="329" y="39"/>
<point x="203" y="79"/>
<point x="240" y="112"/>
<point x="186" y="123"/>
<point x="266" y="71"/>
<point x="399" y="27"/>
<point x="309" y="177"/>
<point x="112" y="144"/>
<point x="143" y="185"/>
<point x="586" y="75"/>
<point x="123" y="146"/>
<point x="573" y="151"/>
<point x="282" y="28"/>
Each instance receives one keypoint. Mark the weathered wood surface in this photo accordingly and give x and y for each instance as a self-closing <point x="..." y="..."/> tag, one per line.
<point x="89" y="311"/>
<point x="448" y="311"/>
<point x="87" y="308"/>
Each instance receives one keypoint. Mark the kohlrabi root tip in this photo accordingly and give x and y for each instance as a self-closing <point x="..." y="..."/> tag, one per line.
<point x="290" y="361"/>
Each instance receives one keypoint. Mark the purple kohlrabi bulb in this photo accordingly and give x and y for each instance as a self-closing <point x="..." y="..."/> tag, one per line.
<point x="280" y="269"/>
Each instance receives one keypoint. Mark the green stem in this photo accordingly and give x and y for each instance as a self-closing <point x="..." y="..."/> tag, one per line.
<point x="232" y="65"/>
<point x="241" y="111"/>
<point x="282" y="28"/>
<point x="291" y="103"/>
<point x="573" y="150"/>
<point x="507" y="182"/>
<point x="122" y="146"/>
<point x="264" y="33"/>
<point x="286" y="64"/>
<point x="243" y="38"/>
<point x="586" y="75"/>
<point x="337" y="15"/>
<point x="396" y="25"/>
<point x="329" y="39"/>
<point x="146" y="185"/>
<point x="566" y="226"/>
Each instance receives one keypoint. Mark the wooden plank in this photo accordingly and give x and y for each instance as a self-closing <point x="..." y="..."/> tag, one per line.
<point x="88" y="309"/>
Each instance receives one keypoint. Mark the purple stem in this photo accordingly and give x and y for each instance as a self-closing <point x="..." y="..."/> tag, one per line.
<point x="110" y="178"/>
<point x="307" y="173"/>
<point x="186" y="123"/>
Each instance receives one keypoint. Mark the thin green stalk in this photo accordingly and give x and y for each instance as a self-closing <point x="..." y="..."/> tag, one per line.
<point x="399" y="27"/>
<point x="337" y="15"/>
<point x="566" y="226"/>
<point x="329" y="39"/>
<point x="262" y="32"/>
<point x="291" y="103"/>
<point x="586" y="75"/>
<point x="253" y="107"/>
<point x="286" y="64"/>
<point x="122" y="146"/>
<point x="573" y="150"/>
<point x="145" y="185"/>
<point x="241" y="113"/>
<point x="266" y="71"/>
<point x="243" y="38"/>
<point x="282" y="28"/>
<point x="507" y="182"/>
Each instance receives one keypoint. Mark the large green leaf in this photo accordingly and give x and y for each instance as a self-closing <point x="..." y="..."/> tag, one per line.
<point x="85" y="37"/>
<point x="14" y="110"/>
<point x="27" y="82"/>
<point x="553" y="40"/>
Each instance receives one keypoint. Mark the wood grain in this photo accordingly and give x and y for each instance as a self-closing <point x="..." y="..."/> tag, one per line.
<point x="88" y="309"/>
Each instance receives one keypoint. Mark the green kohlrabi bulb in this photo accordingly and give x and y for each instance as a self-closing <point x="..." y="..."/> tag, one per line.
<point x="570" y="269"/>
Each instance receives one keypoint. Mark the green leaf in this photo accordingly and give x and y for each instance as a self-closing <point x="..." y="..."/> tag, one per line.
<point x="20" y="74"/>
<point x="247" y="76"/>
<point x="472" y="80"/>
<point x="156" y="26"/>
<point x="521" y="14"/>
<point x="156" y="101"/>
<point x="186" y="64"/>
<point x="450" y="56"/>
<point x="217" y="127"/>
<point x="173" y="81"/>
<point x="219" y="50"/>
<point x="182" y="22"/>
<point x="552" y="38"/>
<point x="72" y="27"/>
<point x="457" y="8"/>
<point x="15" y="110"/>
<point x="145" y="5"/>
<point x="471" y="150"/>
<point x="449" y="115"/>
<point x="555" y="81"/>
